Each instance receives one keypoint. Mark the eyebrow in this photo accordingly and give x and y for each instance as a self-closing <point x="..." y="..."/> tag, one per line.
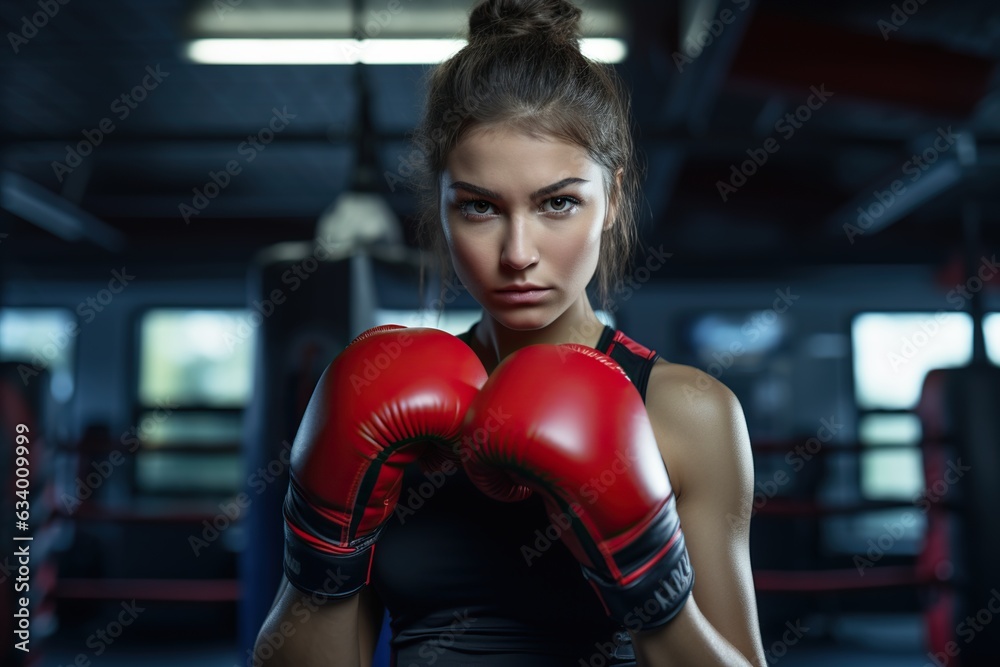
<point x="548" y="189"/>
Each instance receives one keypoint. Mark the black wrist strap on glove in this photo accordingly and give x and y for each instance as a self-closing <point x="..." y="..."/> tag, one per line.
<point x="324" y="574"/>
<point x="652" y="590"/>
<point x="321" y="573"/>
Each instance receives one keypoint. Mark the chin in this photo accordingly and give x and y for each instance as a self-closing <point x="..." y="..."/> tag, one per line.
<point x="523" y="319"/>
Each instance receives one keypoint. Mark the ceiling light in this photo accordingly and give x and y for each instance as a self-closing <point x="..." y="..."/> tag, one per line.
<point x="352" y="51"/>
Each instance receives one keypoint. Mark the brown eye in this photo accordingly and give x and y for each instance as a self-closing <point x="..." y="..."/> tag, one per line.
<point x="562" y="204"/>
<point x="481" y="207"/>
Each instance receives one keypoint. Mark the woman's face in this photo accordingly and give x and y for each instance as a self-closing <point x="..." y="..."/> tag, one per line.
<point x="523" y="218"/>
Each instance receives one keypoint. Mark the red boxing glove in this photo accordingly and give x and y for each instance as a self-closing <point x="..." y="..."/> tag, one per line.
<point x="580" y="436"/>
<point x="392" y="394"/>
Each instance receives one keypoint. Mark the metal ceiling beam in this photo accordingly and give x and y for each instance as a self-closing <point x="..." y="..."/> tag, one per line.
<point x="889" y="201"/>
<point x="690" y="52"/>
<point x="47" y="210"/>
<point x="702" y="59"/>
<point x="922" y="177"/>
<point x="256" y="205"/>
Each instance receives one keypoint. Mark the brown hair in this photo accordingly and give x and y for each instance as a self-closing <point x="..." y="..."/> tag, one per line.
<point x="522" y="68"/>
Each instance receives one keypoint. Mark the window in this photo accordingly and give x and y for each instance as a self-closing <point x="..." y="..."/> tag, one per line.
<point x="894" y="472"/>
<point x="197" y="357"/>
<point x="991" y="327"/>
<point x="195" y="377"/>
<point x="41" y="339"/>
<point x="892" y="354"/>
<point x="750" y="352"/>
<point x="894" y="351"/>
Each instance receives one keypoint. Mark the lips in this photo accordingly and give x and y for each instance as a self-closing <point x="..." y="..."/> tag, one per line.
<point x="522" y="294"/>
<point x="526" y="287"/>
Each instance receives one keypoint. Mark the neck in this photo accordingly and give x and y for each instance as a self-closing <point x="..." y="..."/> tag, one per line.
<point x="579" y="324"/>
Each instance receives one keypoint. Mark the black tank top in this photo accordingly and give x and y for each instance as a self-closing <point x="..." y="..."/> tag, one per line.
<point x="468" y="580"/>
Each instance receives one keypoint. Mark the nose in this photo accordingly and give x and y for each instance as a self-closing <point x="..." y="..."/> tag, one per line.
<point x="520" y="250"/>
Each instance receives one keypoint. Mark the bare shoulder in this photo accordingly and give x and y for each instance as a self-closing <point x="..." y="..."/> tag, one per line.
<point x="699" y="425"/>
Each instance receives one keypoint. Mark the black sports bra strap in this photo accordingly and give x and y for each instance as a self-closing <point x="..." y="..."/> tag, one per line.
<point x="636" y="366"/>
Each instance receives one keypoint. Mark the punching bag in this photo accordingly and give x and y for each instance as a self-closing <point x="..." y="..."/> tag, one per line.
<point x="312" y="300"/>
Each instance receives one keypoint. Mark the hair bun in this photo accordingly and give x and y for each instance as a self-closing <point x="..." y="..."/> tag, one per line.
<point x="557" y="20"/>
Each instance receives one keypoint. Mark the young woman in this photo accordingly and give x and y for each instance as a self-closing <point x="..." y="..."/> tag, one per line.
<point x="531" y="187"/>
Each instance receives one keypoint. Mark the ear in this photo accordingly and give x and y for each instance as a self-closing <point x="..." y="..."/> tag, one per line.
<point x="614" y="200"/>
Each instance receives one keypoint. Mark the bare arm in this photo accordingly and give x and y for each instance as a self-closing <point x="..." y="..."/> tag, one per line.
<point x="370" y="615"/>
<point x="309" y="631"/>
<point x="701" y="431"/>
